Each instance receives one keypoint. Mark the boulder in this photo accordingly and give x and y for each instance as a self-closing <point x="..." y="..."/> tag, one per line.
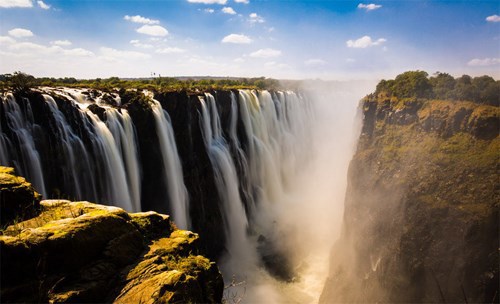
<point x="18" y="199"/>
<point x="84" y="252"/>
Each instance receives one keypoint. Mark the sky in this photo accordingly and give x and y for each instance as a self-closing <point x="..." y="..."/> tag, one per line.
<point x="285" y="39"/>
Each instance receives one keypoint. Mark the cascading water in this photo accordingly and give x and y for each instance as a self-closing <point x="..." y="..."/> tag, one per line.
<point x="20" y="122"/>
<point x="272" y="168"/>
<point x="120" y="125"/>
<point x="76" y="165"/>
<point x="172" y="167"/>
<point x="240" y="256"/>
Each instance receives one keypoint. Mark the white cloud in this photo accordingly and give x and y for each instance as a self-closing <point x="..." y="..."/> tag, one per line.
<point x="315" y="62"/>
<point x="242" y="1"/>
<point x="6" y="40"/>
<point x="239" y="60"/>
<point x="138" y="44"/>
<point x="493" y="18"/>
<point x="153" y="30"/>
<point x="222" y="2"/>
<point x="110" y="53"/>
<point x="15" y="3"/>
<point x="237" y="38"/>
<point x="30" y="49"/>
<point x="228" y="10"/>
<point x="484" y="62"/>
<point x="170" y="50"/>
<point x="266" y="53"/>
<point x="20" y="33"/>
<point x="369" y="7"/>
<point x="43" y="5"/>
<point x="78" y="52"/>
<point x="209" y="10"/>
<point x="140" y="19"/>
<point x="274" y="64"/>
<point x="364" y="42"/>
<point x="61" y="42"/>
<point x="254" y="18"/>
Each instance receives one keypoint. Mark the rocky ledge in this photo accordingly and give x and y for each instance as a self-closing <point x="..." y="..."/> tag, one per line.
<point x="84" y="252"/>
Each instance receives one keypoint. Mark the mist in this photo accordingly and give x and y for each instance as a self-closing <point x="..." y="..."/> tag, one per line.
<point x="299" y="216"/>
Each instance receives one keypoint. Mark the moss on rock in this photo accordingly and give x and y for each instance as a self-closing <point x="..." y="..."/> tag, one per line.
<point x="84" y="252"/>
<point x="18" y="199"/>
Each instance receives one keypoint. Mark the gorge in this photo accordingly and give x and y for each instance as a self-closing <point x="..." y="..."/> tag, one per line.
<point x="233" y="166"/>
<point x="261" y="176"/>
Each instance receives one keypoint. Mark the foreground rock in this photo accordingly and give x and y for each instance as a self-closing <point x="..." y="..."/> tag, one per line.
<point x="84" y="252"/>
<point x="18" y="199"/>
<point x="421" y="212"/>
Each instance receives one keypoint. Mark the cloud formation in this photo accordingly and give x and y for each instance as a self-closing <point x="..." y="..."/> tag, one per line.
<point x="140" y="19"/>
<point x="170" y="50"/>
<point x="369" y="7"/>
<point x="61" y="42"/>
<point x="43" y="5"/>
<point x="15" y="3"/>
<point x="138" y="44"/>
<point x="222" y="2"/>
<point x="153" y="30"/>
<point x="476" y="62"/>
<point x="111" y="53"/>
<point x="364" y="42"/>
<point x="20" y="33"/>
<point x="266" y="53"/>
<point x="237" y="38"/>
<point x="254" y="18"/>
<point x="242" y="1"/>
<point x="493" y="18"/>
<point x="228" y="10"/>
<point x="314" y="62"/>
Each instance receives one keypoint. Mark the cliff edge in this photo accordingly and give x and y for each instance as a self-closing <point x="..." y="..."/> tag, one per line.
<point x="421" y="220"/>
<point x="83" y="252"/>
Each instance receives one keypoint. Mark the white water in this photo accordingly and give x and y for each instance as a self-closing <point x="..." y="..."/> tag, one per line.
<point x="295" y="170"/>
<point x="120" y="125"/>
<point x="241" y="256"/>
<point x="114" y="178"/>
<point x="293" y="179"/>
<point x="172" y="167"/>
<point x="76" y="168"/>
<point x="22" y="125"/>
<point x="118" y="193"/>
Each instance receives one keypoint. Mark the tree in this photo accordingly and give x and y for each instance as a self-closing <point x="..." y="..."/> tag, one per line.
<point x="464" y="90"/>
<point x="21" y="82"/>
<point x="412" y="84"/>
<point x="442" y="84"/>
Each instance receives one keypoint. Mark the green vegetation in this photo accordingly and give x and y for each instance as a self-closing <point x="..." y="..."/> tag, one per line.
<point x="482" y="90"/>
<point x="21" y="82"/>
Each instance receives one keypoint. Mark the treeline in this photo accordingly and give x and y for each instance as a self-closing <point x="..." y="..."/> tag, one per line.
<point x="19" y="81"/>
<point x="482" y="89"/>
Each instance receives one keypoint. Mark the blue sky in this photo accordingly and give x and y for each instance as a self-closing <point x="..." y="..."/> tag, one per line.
<point x="274" y="38"/>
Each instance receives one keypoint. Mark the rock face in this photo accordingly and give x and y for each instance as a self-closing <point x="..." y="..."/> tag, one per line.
<point x="83" y="252"/>
<point x="18" y="199"/>
<point x="421" y="220"/>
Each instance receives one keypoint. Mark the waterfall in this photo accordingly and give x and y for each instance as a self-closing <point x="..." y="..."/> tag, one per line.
<point x="104" y="169"/>
<point x="264" y="150"/>
<point x="172" y="168"/>
<point x="241" y="254"/>
<point x="76" y="166"/>
<point x="120" y="125"/>
<point x="20" y="122"/>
